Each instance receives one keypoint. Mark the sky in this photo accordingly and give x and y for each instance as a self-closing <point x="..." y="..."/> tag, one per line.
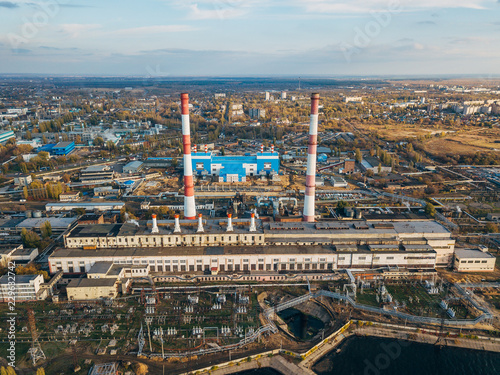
<point x="161" y="38"/>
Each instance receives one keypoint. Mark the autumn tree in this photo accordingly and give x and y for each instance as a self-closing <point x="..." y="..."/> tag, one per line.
<point x="46" y="229"/>
<point x="30" y="239"/>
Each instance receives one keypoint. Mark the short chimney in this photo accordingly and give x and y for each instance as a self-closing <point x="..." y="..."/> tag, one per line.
<point x="253" y="227"/>
<point x="177" y="226"/>
<point x="229" y="223"/>
<point x="200" y="224"/>
<point x="195" y="149"/>
<point x="272" y="149"/>
<point x="206" y="149"/>
<point x="155" y="224"/>
<point x="261" y="148"/>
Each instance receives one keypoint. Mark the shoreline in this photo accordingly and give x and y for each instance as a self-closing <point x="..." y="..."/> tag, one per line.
<point x="276" y="359"/>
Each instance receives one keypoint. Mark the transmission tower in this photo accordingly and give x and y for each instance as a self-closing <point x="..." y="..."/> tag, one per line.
<point x="35" y="351"/>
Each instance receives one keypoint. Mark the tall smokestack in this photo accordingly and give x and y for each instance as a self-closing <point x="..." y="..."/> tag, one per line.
<point x="155" y="224"/>
<point x="177" y="226"/>
<point x="200" y="224"/>
<point x="229" y="223"/>
<point x="253" y="227"/>
<point x="189" y="205"/>
<point x="311" y="161"/>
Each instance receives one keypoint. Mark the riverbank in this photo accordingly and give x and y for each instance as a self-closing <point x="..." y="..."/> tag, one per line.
<point x="291" y="365"/>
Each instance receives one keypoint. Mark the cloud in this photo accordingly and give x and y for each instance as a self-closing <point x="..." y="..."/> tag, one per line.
<point x="74" y="30"/>
<point x="366" y="6"/>
<point x="221" y="11"/>
<point x="21" y="50"/>
<point x="157" y="29"/>
<point x="75" y="6"/>
<point x="8" y="4"/>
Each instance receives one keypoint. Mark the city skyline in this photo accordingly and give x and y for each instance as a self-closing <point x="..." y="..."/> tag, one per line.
<point x="233" y="37"/>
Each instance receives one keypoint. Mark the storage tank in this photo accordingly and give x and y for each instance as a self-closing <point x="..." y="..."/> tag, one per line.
<point x="37" y="214"/>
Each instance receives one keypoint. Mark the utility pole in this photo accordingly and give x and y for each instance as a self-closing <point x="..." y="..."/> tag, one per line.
<point x="35" y="350"/>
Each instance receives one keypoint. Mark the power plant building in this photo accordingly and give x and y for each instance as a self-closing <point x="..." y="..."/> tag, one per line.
<point x="226" y="247"/>
<point x="235" y="168"/>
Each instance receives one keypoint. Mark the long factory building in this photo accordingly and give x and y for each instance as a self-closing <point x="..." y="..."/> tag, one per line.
<point x="180" y="247"/>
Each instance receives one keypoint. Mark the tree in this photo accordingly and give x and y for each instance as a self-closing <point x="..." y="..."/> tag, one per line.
<point x="30" y="239"/>
<point x="430" y="209"/>
<point x="3" y="371"/>
<point x="98" y="141"/>
<point x="492" y="228"/>
<point x="10" y="371"/>
<point x="31" y="269"/>
<point x="46" y="229"/>
<point x="40" y="371"/>
<point x="358" y="157"/>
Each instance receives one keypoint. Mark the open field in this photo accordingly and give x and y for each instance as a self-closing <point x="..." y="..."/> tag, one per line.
<point x="456" y="140"/>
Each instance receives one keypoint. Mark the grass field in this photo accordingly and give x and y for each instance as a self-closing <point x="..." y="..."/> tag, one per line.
<point x="457" y="140"/>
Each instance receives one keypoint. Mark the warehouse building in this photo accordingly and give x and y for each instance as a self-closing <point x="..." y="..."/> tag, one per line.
<point x="235" y="168"/>
<point x="474" y="260"/>
<point x="97" y="174"/>
<point x="133" y="167"/>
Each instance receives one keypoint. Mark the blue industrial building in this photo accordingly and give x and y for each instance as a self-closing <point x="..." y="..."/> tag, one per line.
<point x="235" y="168"/>
<point x="61" y="148"/>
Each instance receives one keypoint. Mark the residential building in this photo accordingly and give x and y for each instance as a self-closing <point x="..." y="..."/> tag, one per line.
<point x="257" y="112"/>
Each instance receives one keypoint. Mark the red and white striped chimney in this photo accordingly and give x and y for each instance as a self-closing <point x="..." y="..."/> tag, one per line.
<point x="195" y="149"/>
<point x="189" y="205"/>
<point x="261" y="148"/>
<point x="272" y="149"/>
<point x="206" y="149"/>
<point x="311" y="161"/>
